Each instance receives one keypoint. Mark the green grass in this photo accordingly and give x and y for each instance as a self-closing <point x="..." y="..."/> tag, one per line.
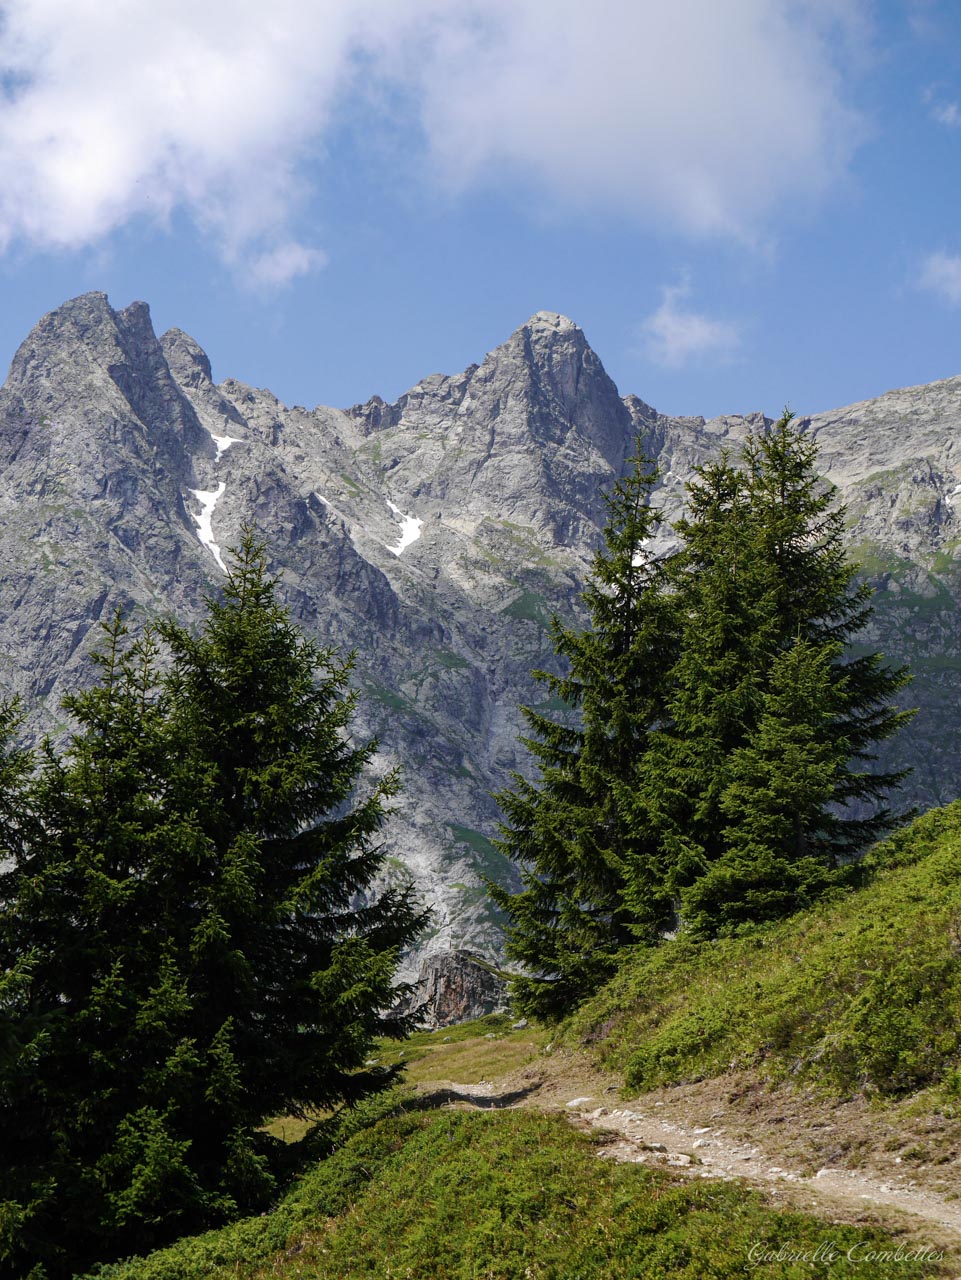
<point x="387" y="697"/>
<point x="529" y="606"/>
<point x="449" y="660"/>
<point x="509" y="1195"/>
<point x="486" y="1049"/>
<point x="872" y="561"/>
<point x="523" y="538"/>
<point x="862" y="993"/>
<point x="553" y="703"/>
<point x="488" y="858"/>
<point x="475" y="840"/>
<point x="946" y="560"/>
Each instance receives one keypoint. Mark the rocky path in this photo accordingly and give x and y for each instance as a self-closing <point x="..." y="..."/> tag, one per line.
<point x="708" y="1151"/>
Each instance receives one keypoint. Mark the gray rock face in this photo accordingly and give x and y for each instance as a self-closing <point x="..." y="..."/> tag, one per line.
<point x="434" y="537"/>
<point x="459" y="986"/>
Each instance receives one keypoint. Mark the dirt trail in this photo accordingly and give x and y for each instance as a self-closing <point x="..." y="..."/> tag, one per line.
<point x="704" y="1151"/>
<point x="698" y="1145"/>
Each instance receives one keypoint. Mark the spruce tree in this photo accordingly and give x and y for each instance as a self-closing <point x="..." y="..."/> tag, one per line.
<point x="192" y="938"/>
<point x="811" y="592"/>
<point x="776" y="803"/>
<point x="767" y="597"/>
<point x="294" y="955"/>
<point x="92" y="1154"/>
<point x="710" y="690"/>
<point x="571" y="832"/>
<point x="22" y="1028"/>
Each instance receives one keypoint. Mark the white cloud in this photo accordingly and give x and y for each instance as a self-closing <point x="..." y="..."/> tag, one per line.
<point x="947" y="113"/>
<point x="941" y="274"/>
<point x="280" y="265"/>
<point x="924" y="22"/>
<point x="700" y="116"/>
<point x="675" y="335"/>
<point x="942" y="110"/>
<point x="697" y="116"/>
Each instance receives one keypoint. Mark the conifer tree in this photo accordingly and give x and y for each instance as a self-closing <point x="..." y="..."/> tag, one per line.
<point x="570" y="832"/>
<point x="91" y="1156"/>
<point x="294" y="956"/>
<point x="811" y="593"/>
<point x="767" y="596"/>
<point x="776" y="803"/>
<point x="192" y="940"/>
<point x="710" y="689"/>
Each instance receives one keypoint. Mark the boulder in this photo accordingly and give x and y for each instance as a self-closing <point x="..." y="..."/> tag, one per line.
<point x="458" y="986"/>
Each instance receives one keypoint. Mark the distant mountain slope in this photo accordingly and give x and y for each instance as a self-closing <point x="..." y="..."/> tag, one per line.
<point x="434" y="536"/>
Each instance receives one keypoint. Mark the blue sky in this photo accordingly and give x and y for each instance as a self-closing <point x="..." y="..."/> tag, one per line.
<point x="742" y="204"/>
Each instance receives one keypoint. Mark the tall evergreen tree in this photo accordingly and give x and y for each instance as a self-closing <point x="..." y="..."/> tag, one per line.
<point x="776" y="803"/>
<point x="763" y="575"/>
<point x="812" y="593"/>
<point x="721" y="765"/>
<point x="91" y="1159"/>
<point x="710" y="690"/>
<point x="294" y="957"/>
<point x="192" y="937"/>
<point x="570" y="831"/>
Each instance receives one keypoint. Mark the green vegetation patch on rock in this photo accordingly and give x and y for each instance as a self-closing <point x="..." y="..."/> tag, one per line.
<point x="529" y="606"/>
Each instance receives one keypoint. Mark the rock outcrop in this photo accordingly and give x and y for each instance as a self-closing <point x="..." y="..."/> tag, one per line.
<point x="459" y="986"/>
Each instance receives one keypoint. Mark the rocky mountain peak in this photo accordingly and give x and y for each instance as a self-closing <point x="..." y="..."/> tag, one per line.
<point x="531" y="436"/>
<point x="89" y="365"/>
<point x="186" y="358"/>
<point x="79" y="326"/>
<point x="550" y="320"/>
<point x="550" y="363"/>
<point x="545" y="329"/>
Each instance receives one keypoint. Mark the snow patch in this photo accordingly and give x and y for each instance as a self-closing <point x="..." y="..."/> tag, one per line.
<point x="223" y="443"/>
<point x="320" y="498"/>
<point x="644" y="553"/>
<point x="208" y="499"/>
<point x="409" y="529"/>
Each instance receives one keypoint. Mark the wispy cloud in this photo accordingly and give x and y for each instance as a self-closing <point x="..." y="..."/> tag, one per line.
<point x="676" y="335"/>
<point x="942" y="109"/>
<point x="941" y="274"/>
<point x="947" y="113"/>
<point x="284" y="263"/>
<point x="923" y="19"/>
<point x="109" y="112"/>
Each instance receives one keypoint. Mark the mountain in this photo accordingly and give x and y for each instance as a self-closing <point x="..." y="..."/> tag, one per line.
<point x="434" y="536"/>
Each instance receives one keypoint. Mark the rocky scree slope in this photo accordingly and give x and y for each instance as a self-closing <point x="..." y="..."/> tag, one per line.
<point x="434" y="536"/>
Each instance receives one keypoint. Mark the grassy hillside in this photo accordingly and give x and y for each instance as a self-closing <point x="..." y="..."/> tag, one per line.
<point x="860" y="993"/>
<point x="476" y="1196"/>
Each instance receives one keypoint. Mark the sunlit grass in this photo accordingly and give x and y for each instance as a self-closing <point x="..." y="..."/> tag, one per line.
<point x="861" y="993"/>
